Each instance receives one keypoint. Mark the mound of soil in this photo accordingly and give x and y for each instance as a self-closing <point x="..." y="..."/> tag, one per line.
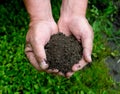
<point x="63" y="52"/>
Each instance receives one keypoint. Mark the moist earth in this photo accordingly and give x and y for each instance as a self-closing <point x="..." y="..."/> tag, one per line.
<point x="63" y="52"/>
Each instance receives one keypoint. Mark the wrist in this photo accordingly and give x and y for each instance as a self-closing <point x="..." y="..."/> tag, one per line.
<point x="69" y="19"/>
<point x="38" y="9"/>
<point x="39" y="18"/>
<point x="71" y="7"/>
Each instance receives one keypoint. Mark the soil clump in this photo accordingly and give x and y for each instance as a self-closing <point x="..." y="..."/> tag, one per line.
<point x="63" y="52"/>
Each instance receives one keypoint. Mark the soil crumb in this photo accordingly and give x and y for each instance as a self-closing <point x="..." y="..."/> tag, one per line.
<point x="63" y="52"/>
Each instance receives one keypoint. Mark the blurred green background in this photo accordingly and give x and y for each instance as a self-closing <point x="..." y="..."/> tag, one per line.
<point x="18" y="76"/>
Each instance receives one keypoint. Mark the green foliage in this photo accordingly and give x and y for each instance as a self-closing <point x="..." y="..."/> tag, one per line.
<point x="17" y="75"/>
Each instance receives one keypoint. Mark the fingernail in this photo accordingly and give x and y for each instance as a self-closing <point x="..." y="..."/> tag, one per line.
<point x="43" y="65"/>
<point x="89" y="58"/>
<point x="46" y="61"/>
<point x="69" y="74"/>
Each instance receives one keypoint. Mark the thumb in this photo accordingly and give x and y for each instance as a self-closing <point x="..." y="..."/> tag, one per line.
<point x="40" y="55"/>
<point x="87" y="55"/>
<point x="87" y="43"/>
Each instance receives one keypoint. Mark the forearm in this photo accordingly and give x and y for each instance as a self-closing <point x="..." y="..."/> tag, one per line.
<point x="39" y="9"/>
<point x="74" y="7"/>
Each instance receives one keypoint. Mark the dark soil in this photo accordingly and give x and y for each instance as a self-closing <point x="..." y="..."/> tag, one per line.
<point x="63" y="52"/>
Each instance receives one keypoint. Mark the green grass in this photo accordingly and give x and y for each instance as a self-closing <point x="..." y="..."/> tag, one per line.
<point x="18" y="76"/>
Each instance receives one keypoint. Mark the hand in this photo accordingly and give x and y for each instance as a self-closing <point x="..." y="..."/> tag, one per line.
<point x="37" y="37"/>
<point x="81" y="29"/>
<point x="42" y="27"/>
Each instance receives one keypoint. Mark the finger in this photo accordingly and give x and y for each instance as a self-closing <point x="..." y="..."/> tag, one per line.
<point x="31" y="57"/>
<point x="40" y="55"/>
<point x="87" y="43"/>
<point x="69" y="74"/>
<point x="82" y="63"/>
<point x="55" y="72"/>
<point x="61" y="74"/>
<point x="52" y="71"/>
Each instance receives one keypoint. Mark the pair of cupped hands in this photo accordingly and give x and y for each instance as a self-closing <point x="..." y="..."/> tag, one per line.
<point x="40" y="32"/>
